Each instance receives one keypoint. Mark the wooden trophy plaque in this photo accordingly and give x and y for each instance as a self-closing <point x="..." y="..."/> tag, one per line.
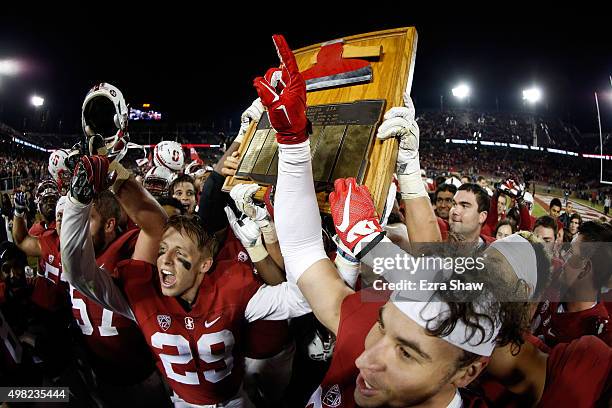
<point x="350" y="84"/>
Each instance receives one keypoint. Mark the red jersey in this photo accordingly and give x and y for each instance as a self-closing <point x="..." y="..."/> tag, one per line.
<point x="495" y="392"/>
<point x="577" y="373"/>
<point x="117" y="350"/>
<point x="554" y="326"/>
<point x="38" y="228"/>
<point x="49" y="293"/>
<point x="356" y="320"/>
<point x="263" y="338"/>
<point x="198" y="351"/>
<point x="443" y="227"/>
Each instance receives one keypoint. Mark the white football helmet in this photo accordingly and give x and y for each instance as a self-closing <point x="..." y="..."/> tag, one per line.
<point x="454" y="181"/>
<point x="321" y="347"/>
<point x="157" y="180"/>
<point x="169" y="154"/>
<point x="105" y="113"/>
<point x="58" y="169"/>
<point x="196" y="169"/>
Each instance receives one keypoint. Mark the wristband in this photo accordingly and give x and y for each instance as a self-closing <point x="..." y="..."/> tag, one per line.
<point x="257" y="253"/>
<point x="411" y="186"/>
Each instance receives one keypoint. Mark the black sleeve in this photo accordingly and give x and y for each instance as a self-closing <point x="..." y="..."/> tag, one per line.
<point x="212" y="204"/>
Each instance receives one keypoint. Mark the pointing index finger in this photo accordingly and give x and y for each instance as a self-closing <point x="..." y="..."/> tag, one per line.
<point x="285" y="54"/>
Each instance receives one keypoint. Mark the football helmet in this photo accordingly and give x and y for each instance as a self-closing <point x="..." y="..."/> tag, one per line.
<point x="157" y="180"/>
<point x="169" y="154"/>
<point x="58" y="169"/>
<point x="46" y="190"/>
<point x="454" y="181"/>
<point x="196" y="169"/>
<point x="105" y="113"/>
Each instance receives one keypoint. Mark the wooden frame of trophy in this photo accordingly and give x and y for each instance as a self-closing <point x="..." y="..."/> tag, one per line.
<point x="351" y="83"/>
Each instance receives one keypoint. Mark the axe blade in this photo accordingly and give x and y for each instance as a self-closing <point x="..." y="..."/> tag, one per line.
<point x="346" y="78"/>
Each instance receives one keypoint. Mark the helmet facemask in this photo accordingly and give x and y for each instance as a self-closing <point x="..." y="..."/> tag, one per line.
<point x="104" y="120"/>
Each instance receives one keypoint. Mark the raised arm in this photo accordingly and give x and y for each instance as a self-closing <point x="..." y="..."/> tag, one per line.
<point x="421" y="220"/>
<point x="27" y="243"/>
<point x="78" y="257"/>
<point x="144" y="210"/>
<point x="256" y="223"/>
<point x="249" y="233"/>
<point x="298" y="223"/>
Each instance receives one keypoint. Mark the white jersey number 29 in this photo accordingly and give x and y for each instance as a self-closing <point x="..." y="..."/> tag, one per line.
<point x="184" y="356"/>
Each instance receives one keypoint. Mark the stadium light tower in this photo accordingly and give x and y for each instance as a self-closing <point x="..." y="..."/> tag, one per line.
<point x="461" y="91"/>
<point x="532" y="95"/>
<point x="37" y="101"/>
<point x="9" y="67"/>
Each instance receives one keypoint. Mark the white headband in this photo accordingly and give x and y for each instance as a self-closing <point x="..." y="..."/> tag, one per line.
<point x="521" y="256"/>
<point x="468" y="339"/>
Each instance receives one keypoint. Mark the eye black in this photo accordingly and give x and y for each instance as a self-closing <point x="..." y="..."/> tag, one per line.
<point x="186" y="264"/>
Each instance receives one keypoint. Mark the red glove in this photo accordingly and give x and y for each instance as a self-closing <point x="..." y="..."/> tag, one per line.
<point x="354" y="216"/>
<point x="90" y="178"/>
<point x="283" y="92"/>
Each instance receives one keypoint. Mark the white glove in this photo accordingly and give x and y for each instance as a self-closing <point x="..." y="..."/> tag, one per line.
<point x="399" y="122"/>
<point x="253" y="112"/>
<point x="249" y="233"/>
<point x="242" y="194"/>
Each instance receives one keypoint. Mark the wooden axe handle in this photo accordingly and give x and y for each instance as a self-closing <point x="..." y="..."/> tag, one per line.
<point x="354" y="51"/>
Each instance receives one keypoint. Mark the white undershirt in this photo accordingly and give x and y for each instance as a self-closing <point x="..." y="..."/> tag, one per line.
<point x="456" y="402"/>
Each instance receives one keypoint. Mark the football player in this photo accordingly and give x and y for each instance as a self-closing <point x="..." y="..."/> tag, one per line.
<point x="400" y="360"/>
<point x="157" y="181"/>
<point x="190" y="309"/>
<point x="183" y="189"/>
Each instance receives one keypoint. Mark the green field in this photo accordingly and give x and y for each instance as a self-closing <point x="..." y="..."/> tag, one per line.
<point x="538" y="211"/>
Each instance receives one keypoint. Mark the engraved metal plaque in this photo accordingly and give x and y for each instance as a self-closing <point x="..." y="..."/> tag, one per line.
<point x="340" y="143"/>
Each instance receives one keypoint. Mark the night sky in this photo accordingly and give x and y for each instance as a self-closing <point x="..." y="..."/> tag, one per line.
<point x="198" y="65"/>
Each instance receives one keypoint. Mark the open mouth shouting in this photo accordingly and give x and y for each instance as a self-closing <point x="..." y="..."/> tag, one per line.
<point x="167" y="278"/>
<point x="364" y="388"/>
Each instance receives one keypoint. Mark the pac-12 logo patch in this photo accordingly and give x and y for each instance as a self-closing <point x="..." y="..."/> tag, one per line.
<point x="164" y="322"/>
<point x="333" y="397"/>
<point x="242" y="256"/>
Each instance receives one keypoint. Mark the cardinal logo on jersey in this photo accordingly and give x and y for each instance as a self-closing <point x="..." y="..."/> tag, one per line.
<point x="189" y="323"/>
<point x="242" y="256"/>
<point x="333" y="397"/>
<point x="164" y="322"/>
<point x="51" y="258"/>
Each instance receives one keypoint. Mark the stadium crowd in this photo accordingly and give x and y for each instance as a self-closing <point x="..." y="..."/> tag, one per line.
<point x="500" y="127"/>
<point x="157" y="288"/>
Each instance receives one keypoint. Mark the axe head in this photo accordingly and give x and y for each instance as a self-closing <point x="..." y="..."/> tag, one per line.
<point x="345" y="78"/>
